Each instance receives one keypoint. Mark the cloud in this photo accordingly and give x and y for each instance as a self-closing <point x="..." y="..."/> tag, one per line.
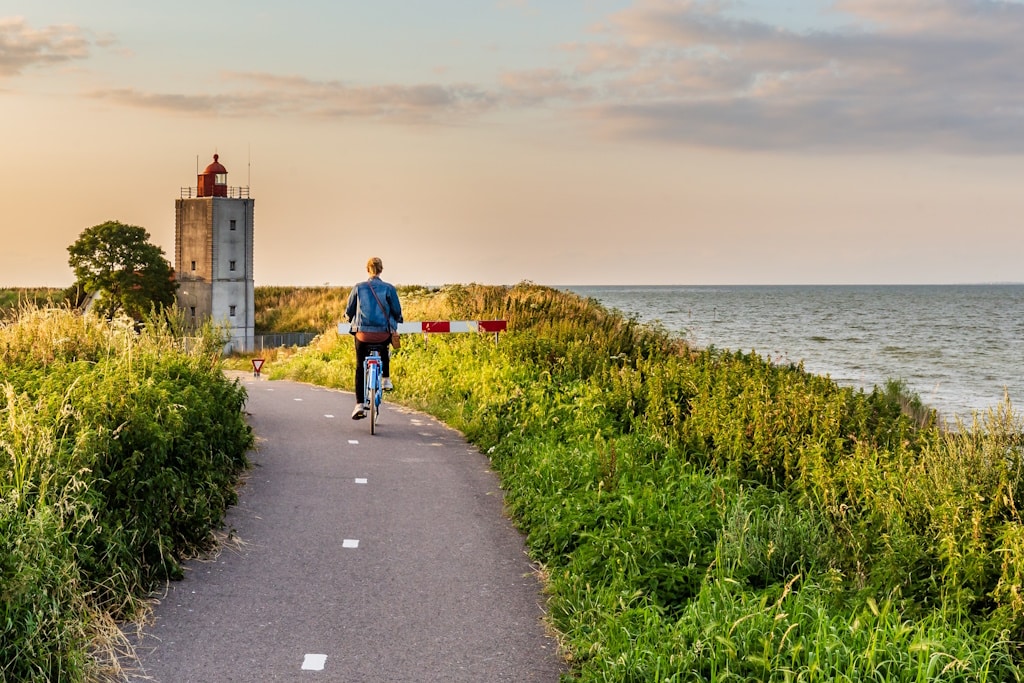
<point x="540" y="87"/>
<point x="263" y="94"/>
<point x="931" y="75"/>
<point x="22" y="47"/>
<point x="918" y="74"/>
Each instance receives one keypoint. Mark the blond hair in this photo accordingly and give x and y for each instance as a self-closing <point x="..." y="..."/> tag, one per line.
<point x="374" y="266"/>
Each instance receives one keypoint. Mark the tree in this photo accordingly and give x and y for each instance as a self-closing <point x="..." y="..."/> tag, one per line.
<point x="117" y="264"/>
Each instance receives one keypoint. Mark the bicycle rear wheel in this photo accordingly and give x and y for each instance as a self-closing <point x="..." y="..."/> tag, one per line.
<point x="374" y="400"/>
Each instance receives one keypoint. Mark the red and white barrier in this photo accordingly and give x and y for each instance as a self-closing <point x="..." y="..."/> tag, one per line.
<point x="443" y="327"/>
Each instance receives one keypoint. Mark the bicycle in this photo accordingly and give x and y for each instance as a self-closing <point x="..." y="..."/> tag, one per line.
<point x="373" y="386"/>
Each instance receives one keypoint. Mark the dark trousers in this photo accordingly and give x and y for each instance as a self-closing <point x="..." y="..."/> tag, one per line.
<point x="362" y="351"/>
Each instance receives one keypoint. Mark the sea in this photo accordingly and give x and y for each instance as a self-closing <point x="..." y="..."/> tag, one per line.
<point x="960" y="348"/>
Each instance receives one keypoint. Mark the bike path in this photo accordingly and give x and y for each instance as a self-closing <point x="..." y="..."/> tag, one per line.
<point x="360" y="558"/>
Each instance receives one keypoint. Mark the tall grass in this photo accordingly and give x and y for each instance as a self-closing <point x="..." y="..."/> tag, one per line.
<point x="707" y="515"/>
<point x="13" y="298"/>
<point x="308" y="309"/>
<point x="118" y="457"/>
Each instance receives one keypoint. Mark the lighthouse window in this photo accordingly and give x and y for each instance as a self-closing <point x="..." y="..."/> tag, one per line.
<point x="231" y="265"/>
<point x="231" y="311"/>
<point x="233" y="223"/>
<point x="193" y="265"/>
<point x="192" y="309"/>
<point x="220" y="179"/>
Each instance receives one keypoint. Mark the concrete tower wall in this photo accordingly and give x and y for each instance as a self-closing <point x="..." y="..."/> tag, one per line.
<point x="193" y="263"/>
<point x="214" y="264"/>
<point x="232" y="269"/>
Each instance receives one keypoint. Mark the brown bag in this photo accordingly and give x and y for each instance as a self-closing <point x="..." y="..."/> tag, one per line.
<point x="396" y="340"/>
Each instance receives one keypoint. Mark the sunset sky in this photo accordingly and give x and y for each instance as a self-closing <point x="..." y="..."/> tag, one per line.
<point x="494" y="141"/>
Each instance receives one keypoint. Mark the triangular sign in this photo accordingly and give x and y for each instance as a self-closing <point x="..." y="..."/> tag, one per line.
<point x="257" y="365"/>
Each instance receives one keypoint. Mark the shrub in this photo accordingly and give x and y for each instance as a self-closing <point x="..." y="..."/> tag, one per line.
<point x="119" y="454"/>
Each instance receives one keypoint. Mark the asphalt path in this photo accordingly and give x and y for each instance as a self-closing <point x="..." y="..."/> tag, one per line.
<point x="357" y="558"/>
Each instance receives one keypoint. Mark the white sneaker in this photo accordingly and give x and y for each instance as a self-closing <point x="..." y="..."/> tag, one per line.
<point x="386" y="384"/>
<point x="358" y="413"/>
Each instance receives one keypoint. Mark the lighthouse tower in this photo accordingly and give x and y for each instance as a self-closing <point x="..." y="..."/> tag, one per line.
<point x="213" y="238"/>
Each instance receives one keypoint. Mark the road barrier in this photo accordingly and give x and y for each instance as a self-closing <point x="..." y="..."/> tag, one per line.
<point x="427" y="327"/>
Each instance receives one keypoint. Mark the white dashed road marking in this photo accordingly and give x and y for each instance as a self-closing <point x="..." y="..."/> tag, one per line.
<point x="353" y="442"/>
<point x="328" y="416"/>
<point x="314" y="662"/>
<point x="350" y="543"/>
<point x="360" y="481"/>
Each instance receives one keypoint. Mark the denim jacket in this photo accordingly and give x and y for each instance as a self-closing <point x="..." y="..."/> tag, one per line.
<point x="366" y="315"/>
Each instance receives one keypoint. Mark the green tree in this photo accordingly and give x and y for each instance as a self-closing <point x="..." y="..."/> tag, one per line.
<point x="126" y="273"/>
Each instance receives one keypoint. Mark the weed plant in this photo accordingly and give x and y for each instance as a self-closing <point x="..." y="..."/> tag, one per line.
<point x="709" y="515"/>
<point x="119" y="453"/>
<point x="308" y="309"/>
<point x="14" y="298"/>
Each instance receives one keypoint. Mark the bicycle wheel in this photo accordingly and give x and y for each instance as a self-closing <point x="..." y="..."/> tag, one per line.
<point x="373" y="410"/>
<point x="367" y="381"/>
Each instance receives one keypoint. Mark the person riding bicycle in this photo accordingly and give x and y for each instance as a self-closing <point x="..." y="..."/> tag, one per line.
<point x="374" y="310"/>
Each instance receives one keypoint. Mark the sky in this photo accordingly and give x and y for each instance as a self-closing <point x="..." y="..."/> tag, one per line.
<point x="561" y="142"/>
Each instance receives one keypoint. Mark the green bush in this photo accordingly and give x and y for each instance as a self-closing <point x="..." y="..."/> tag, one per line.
<point x="119" y="454"/>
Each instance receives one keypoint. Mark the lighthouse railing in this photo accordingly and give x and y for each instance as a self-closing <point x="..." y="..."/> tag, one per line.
<point x="232" y="192"/>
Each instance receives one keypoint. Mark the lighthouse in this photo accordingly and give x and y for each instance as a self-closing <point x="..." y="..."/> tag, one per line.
<point x="213" y="240"/>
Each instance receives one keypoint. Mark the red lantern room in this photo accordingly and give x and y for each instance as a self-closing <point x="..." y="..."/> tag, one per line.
<point x="213" y="182"/>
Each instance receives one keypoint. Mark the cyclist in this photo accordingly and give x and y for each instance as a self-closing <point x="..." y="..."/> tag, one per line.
<point x="374" y="310"/>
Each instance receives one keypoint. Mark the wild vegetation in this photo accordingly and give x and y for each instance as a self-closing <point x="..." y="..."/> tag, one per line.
<point x="699" y="514"/>
<point x="13" y="298"/>
<point x="708" y="515"/>
<point x="119" y="453"/>
<point x="309" y="309"/>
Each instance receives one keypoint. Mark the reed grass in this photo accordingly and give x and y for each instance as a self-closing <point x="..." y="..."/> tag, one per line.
<point x="13" y="298"/>
<point x="309" y="309"/>
<point x="118" y="457"/>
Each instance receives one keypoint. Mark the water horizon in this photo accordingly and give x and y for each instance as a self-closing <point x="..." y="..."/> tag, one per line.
<point x="960" y="347"/>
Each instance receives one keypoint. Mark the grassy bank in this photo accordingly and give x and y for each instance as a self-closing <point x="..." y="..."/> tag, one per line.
<point x="704" y="515"/>
<point x="13" y="298"/>
<point x="309" y="309"/>
<point x="119" y="453"/>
